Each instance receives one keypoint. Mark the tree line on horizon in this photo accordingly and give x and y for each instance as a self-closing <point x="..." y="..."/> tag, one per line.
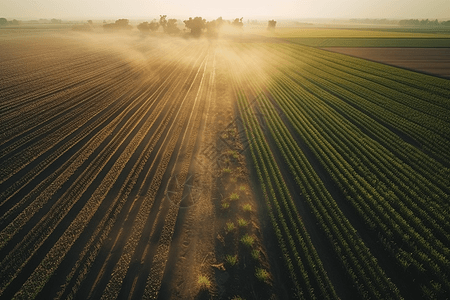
<point x="404" y="22"/>
<point x="197" y="26"/>
<point x="14" y="22"/>
<point x="417" y="22"/>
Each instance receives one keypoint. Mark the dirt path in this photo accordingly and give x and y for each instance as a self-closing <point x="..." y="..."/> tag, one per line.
<point x="201" y="242"/>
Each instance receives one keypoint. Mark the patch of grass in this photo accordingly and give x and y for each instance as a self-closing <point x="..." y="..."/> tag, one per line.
<point x="231" y="260"/>
<point x="255" y="254"/>
<point x="233" y="179"/>
<point x="247" y="207"/>
<point x="231" y="152"/>
<point x="262" y="274"/>
<point x="247" y="240"/>
<point x="226" y="170"/>
<point x="231" y="130"/>
<point x="230" y="226"/>
<point x="204" y="282"/>
<point x="242" y="223"/>
<point x="234" y="196"/>
<point x="242" y="188"/>
<point x="225" y="205"/>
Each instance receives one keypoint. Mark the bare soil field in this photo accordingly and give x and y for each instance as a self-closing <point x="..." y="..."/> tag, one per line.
<point x="434" y="61"/>
<point x="108" y="184"/>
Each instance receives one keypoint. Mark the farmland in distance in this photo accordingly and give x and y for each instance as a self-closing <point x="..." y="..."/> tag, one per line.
<point x="250" y="165"/>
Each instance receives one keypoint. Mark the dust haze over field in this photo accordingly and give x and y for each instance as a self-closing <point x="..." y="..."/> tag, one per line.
<point x="250" y="162"/>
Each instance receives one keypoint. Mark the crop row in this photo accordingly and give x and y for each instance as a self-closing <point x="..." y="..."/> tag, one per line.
<point x="354" y="255"/>
<point x="352" y="160"/>
<point x="87" y="178"/>
<point x="177" y="131"/>
<point x="111" y="217"/>
<point x="308" y="84"/>
<point x="408" y="120"/>
<point x="306" y="269"/>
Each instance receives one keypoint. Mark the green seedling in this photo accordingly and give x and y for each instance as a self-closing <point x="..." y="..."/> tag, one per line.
<point x="247" y="207"/>
<point x="204" y="282"/>
<point x="230" y="226"/>
<point x="231" y="259"/>
<point x="242" y="223"/>
<point x="255" y="254"/>
<point x="262" y="274"/>
<point x="226" y="170"/>
<point x="234" y="196"/>
<point x="247" y="240"/>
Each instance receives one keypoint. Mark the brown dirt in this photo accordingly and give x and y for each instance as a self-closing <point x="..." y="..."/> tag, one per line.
<point x="201" y="240"/>
<point x="433" y="61"/>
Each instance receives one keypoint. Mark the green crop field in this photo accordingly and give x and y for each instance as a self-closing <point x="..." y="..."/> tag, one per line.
<point x="377" y="37"/>
<point x="372" y="42"/>
<point x="291" y="32"/>
<point x="362" y="144"/>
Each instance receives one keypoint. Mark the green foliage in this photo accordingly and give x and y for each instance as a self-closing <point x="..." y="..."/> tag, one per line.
<point x="255" y="254"/>
<point x="247" y="240"/>
<point x="234" y="196"/>
<point x="247" y="207"/>
<point x="242" y="223"/>
<point x="204" y="282"/>
<point x="262" y="274"/>
<point x="230" y="226"/>
<point x="231" y="260"/>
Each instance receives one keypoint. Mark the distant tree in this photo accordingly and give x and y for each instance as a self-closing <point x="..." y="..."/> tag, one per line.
<point x="119" y="24"/>
<point x="122" y="22"/>
<point x="213" y="27"/>
<point x="163" y="22"/>
<point x="238" y="23"/>
<point x="144" y="27"/>
<point x="172" y="26"/>
<point x="219" y="22"/>
<point x="3" y="22"/>
<point x="55" y="21"/>
<point x="416" y="22"/>
<point x="14" y="22"/>
<point x="90" y="22"/>
<point x="196" y="25"/>
<point x="271" y="25"/>
<point x="424" y="22"/>
<point x="154" y="26"/>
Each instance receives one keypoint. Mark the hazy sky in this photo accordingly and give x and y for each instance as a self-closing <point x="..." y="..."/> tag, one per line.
<point x="80" y="9"/>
